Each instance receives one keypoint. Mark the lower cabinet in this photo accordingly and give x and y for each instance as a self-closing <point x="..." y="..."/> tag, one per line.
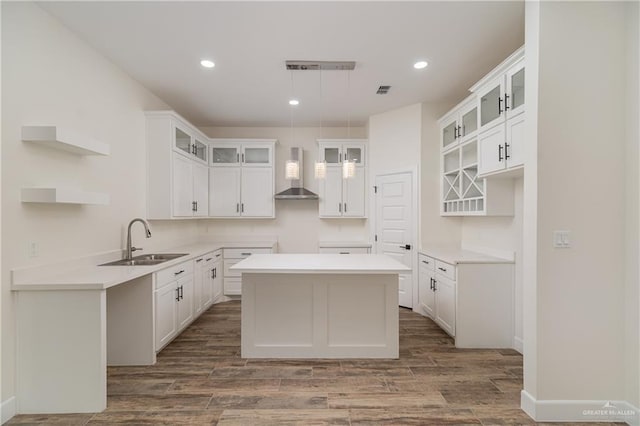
<point x="233" y="279"/>
<point x="472" y="302"/>
<point x="208" y="286"/>
<point x="174" y="301"/>
<point x="437" y="292"/>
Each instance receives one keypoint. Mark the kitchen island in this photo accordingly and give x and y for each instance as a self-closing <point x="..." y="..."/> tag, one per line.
<point x="319" y="306"/>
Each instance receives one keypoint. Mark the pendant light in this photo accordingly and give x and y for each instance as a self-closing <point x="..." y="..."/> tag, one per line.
<point x="292" y="167"/>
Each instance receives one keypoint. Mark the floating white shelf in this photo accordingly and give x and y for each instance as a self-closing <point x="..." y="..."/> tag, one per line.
<point x="63" y="139"/>
<point x="63" y="196"/>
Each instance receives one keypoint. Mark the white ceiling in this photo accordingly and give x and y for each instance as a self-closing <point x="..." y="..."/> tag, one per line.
<point x="160" y="44"/>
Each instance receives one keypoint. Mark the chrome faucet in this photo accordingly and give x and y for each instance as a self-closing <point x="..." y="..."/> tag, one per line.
<point x="130" y="249"/>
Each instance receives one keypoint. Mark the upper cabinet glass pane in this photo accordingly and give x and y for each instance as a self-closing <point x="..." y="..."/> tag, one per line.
<point x="470" y="122"/>
<point x="201" y="150"/>
<point x="354" y="154"/>
<point x="332" y="155"/>
<point x="517" y="89"/>
<point x="183" y="141"/>
<point x="449" y="134"/>
<point x="490" y="106"/>
<point x="255" y="155"/>
<point x="224" y="155"/>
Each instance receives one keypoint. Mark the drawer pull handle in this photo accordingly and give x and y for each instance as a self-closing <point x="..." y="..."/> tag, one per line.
<point x="344" y="252"/>
<point x="209" y="258"/>
<point x="426" y="262"/>
<point x="179" y="272"/>
<point x="245" y="254"/>
<point x="443" y="269"/>
<point x="218" y="255"/>
<point x="198" y="260"/>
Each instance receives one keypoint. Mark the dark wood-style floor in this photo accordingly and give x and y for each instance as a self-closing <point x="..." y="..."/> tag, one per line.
<point x="200" y="379"/>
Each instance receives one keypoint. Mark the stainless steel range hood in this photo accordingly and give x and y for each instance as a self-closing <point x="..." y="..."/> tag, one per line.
<point x="297" y="191"/>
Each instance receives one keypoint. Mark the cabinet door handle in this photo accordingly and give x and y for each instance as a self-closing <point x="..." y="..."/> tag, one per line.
<point x="243" y="157"/>
<point x="459" y="131"/>
<point x="506" y="151"/>
<point x="196" y="203"/>
<point x="455" y="133"/>
<point x="213" y="273"/>
<point x="177" y="294"/>
<point x="181" y="292"/>
<point x="237" y="207"/>
<point x="340" y="207"/>
<point x="241" y="207"/>
<point x="430" y="283"/>
<point x="500" y="158"/>
<point x="506" y="102"/>
<point x="443" y="269"/>
<point x="179" y="272"/>
<point x="345" y="207"/>
<point x="434" y="285"/>
<point x="499" y="106"/>
<point x="237" y="158"/>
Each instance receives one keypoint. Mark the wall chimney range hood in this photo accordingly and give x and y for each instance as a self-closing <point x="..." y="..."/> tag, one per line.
<point x="297" y="191"/>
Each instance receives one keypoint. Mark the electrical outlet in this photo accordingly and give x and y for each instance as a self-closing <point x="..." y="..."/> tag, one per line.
<point x="561" y="239"/>
<point x="33" y="249"/>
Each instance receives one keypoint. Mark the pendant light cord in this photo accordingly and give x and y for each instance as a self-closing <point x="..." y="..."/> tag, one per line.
<point x="290" y="108"/>
<point x="349" y="104"/>
<point x="321" y="109"/>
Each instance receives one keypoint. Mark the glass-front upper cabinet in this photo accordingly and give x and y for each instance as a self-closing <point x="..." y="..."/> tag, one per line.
<point x="468" y="122"/>
<point x="225" y="154"/>
<point x="200" y="150"/>
<point x="353" y="153"/>
<point x="449" y="132"/>
<point x="331" y="153"/>
<point x="492" y="103"/>
<point x="182" y="140"/>
<point x="515" y="89"/>
<point x="337" y="151"/>
<point x="256" y="155"/>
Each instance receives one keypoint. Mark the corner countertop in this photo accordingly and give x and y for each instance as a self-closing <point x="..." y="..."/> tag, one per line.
<point x="93" y="277"/>
<point x="456" y="256"/>
<point x="320" y="264"/>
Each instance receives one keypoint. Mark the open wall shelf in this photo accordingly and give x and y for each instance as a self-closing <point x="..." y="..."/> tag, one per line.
<point x="63" y="196"/>
<point x="63" y="139"/>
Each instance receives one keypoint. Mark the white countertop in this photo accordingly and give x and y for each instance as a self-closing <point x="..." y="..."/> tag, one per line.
<point x="458" y="255"/>
<point x="320" y="264"/>
<point x="94" y="277"/>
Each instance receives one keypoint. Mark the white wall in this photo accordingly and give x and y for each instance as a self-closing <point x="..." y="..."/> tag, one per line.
<point x="436" y="230"/>
<point x="632" y="194"/>
<point x="49" y="76"/>
<point x="297" y="225"/>
<point x="574" y="351"/>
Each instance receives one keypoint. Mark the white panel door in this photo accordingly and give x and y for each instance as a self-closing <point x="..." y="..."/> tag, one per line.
<point x="185" y="304"/>
<point x="425" y="291"/>
<point x="224" y="191"/>
<point x="446" y="304"/>
<point x="515" y="140"/>
<point x="217" y="280"/>
<point x="182" y="186"/>
<point x="331" y="193"/>
<point x="257" y="192"/>
<point x="200" y="189"/>
<point x="166" y="313"/>
<point x="491" y="150"/>
<point x="394" y="223"/>
<point x="353" y="195"/>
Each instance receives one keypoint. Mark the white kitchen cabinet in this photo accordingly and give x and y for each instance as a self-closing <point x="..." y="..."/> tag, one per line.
<point x="217" y="280"/>
<point x="177" y="172"/>
<point x="232" y="282"/>
<point x="460" y="125"/>
<point x="502" y="103"/>
<point x="174" y="301"/>
<point x="241" y="178"/>
<point x="343" y="197"/>
<point x="472" y="300"/>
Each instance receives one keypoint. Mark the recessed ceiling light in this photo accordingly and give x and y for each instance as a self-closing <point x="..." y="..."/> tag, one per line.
<point x="207" y="63"/>
<point x="420" y="64"/>
<point x="294" y="102"/>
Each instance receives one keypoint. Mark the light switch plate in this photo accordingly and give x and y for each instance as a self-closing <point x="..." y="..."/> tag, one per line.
<point x="561" y="239"/>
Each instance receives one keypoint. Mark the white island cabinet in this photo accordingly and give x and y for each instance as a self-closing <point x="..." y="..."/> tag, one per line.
<point x="319" y="305"/>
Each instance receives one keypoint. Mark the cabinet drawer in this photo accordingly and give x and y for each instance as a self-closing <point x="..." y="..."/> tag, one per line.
<point x="427" y="262"/>
<point x="446" y="269"/>
<point x="168" y="275"/>
<point x="241" y="253"/>
<point x="344" y="250"/>
<point x="232" y="286"/>
<point x="228" y="263"/>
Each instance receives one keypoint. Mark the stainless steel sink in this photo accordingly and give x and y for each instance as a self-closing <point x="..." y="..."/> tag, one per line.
<point x="146" y="259"/>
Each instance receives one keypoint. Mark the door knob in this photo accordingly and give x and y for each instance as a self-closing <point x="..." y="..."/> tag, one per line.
<point x="406" y="247"/>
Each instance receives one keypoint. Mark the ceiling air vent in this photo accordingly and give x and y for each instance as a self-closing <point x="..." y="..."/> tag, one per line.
<point x="320" y="65"/>
<point x="383" y="90"/>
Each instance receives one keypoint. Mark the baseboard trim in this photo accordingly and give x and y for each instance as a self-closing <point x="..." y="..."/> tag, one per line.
<point x="518" y="344"/>
<point x="8" y="409"/>
<point x="578" y="411"/>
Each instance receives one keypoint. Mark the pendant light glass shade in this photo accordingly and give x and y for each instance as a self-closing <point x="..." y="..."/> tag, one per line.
<point x="348" y="169"/>
<point x="292" y="170"/>
<point x="320" y="170"/>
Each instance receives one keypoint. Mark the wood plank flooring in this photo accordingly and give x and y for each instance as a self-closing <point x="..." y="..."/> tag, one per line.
<point x="200" y="379"/>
